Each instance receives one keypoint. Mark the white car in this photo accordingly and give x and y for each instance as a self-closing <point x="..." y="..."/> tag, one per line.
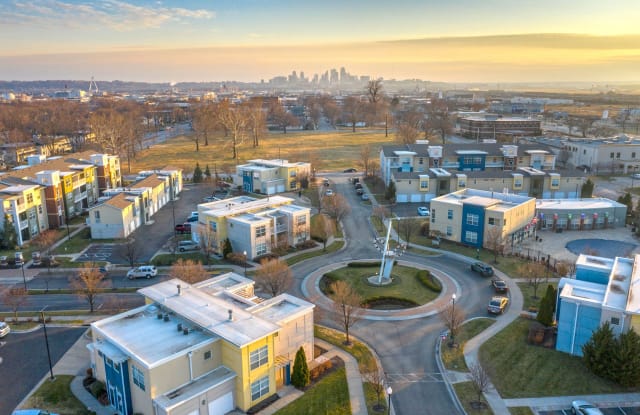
<point x="329" y="192"/>
<point x="636" y="176"/>
<point x="145" y="271"/>
<point x="187" y="246"/>
<point x="423" y="211"/>
<point x="365" y="196"/>
<point x="584" y="408"/>
<point x="4" y="329"/>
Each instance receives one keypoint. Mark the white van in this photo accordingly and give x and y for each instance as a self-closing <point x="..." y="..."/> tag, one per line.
<point x="145" y="271"/>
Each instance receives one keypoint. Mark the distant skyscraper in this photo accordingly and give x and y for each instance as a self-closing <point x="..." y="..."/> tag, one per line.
<point x="335" y="78"/>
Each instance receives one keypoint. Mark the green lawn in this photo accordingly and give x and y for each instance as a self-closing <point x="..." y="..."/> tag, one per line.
<point x="466" y="394"/>
<point x="405" y="285"/>
<point x="453" y="358"/>
<point x="336" y="245"/>
<point x="381" y="230"/>
<point x="169" y="259"/>
<point x="521" y="410"/>
<point x="527" y="293"/>
<point x="329" y="396"/>
<point x="520" y="370"/>
<point x="55" y="396"/>
<point x="76" y="244"/>
<point x="372" y="400"/>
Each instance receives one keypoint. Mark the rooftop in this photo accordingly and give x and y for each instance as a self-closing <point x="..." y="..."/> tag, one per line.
<point x="241" y="204"/>
<point x="577" y="204"/>
<point x="582" y="291"/>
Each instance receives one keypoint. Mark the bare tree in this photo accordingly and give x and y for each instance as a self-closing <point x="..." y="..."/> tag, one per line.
<point x="203" y="122"/>
<point x="233" y="119"/>
<point x="131" y="251"/>
<point x="533" y="272"/>
<point x="584" y="124"/>
<point x="256" y="120"/>
<point x="322" y="228"/>
<point x="408" y="227"/>
<point x="564" y="156"/>
<point x="406" y="134"/>
<point x="375" y="377"/>
<point x="208" y="240"/>
<point x="365" y="158"/>
<point x="14" y="298"/>
<point x="281" y="117"/>
<point x="452" y="317"/>
<point x="348" y="307"/>
<point x="336" y="206"/>
<point x="439" y="119"/>
<point x="331" y="111"/>
<point x="352" y="111"/>
<point x="44" y="240"/>
<point x="274" y="276"/>
<point x="494" y="241"/>
<point x="188" y="271"/>
<point x="88" y="283"/>
<point x="480" y="379"/>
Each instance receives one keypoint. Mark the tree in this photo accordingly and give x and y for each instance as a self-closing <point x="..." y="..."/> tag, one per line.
<point x="347" y="305"/>
<point x="300" y="376"/>
<point x="208" y="240"/>
<point x="584" y="124"/>
<point x="626" y="357"/>
<point x="226" y="248"/>
<point x="336" y="206"/>
<point x="408" y="227"/>
<point x="375" y="377"/>
<point x="452" y="317"/>
<point x="131" y="251"/>
<point x="480" y="379"/>
<point x="352" y="111"/>
<point x="281" y="117"/>
<point x="14" y="298"/>
<point x="9" y="235"/>
<point x="322" y="229"/>
<point x="627" y="200"/>
<point x="197" y="174"/>
<point x="533" y="273"/>
<point x="274" y="276"/>
<point x="439" y="120"/>
<point x="586" y="191"/>
<point x="204" y="123"/>
<point x="494" y="241"/>
<point x="256" y="120"/>
<point x="43" y="241"/>
<point x="365" y="158"/>
<point x="563" y="156"/>
<point x="88" y="283"/>
<point x="233" y="119"/>
<point x="597" y="351"/>
<point x="207" y="173"/>
<point x="331" y="111"/>
<point x="547" y="307"/>
<point x="188" y="271"/>
<point x="390" y="192"/>
<point x="406" y="134"/>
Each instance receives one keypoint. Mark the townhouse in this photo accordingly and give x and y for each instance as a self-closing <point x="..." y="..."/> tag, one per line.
<point x="215" y="347"/>
<point x="254" y="226"/>
<point x="481" y="218"/>
<point x="422" y="172"/>
<point x="619" y="154"/>
<point x="271" y="176"/>
<point x="23" y="207"/>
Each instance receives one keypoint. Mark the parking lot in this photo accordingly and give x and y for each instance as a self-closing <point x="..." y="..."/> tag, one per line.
<point x="606" y="411"/>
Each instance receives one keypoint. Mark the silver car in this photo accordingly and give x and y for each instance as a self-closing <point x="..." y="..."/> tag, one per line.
<point x="4" y="329"/>
<point x="187" y="246"/>
<point x="584" y="408"/>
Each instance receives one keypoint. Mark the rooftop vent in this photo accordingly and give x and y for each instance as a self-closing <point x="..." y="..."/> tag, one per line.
<point x="185" y="331"/>
<point x="179" y="326"/>
<point x="230" y="315"/>
<point x="166" y="317"/>
<point x="178" y="286"/>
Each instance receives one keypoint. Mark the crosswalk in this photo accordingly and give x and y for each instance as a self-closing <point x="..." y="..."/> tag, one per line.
<point x="414" y="377"/>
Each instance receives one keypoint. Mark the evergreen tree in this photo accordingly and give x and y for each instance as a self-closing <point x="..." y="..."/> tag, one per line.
<point x="390" y="192"/>
<point x="207" y="173"/>
<point x="546" y="307"/>
<point x="226" y="248"/>
<point x="626" y="359"/>
<point x="9" y="235"/>
<point x="197" y="174"/>
<point x="587" y="189"/>
<point x="597" y="353"/>
<point x="300" y="376"/>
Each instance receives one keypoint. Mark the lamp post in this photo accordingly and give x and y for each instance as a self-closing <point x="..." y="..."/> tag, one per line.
<point x="453" y="318"/>
<point x="173" y="214"/>
<point x="389" y="393"/>
<point x="24" y="279"/>
<point x="46" y="340"/>
<point x="245" y="262"/>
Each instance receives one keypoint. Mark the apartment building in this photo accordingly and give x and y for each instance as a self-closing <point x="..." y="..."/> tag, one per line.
<point x="479" y="218"/>
<point x="580" y="214"/>
<point x="498" y="127"/>
<point x="24" y="208"/>
<point x="271" y="176"/>
<point x="422" y="172"/>
<point x="619" y="154"/>
<point x="215" y="347"/>
<point x="254" y="226"/>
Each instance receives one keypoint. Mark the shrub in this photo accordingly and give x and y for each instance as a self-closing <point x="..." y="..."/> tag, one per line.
<point x="429" y="281"/>
<point x="364" y="264"/>
<point x="97" y="388"/>
<point x="307" y="244"/>
<point x="226" y="248"/>
<point x="300" y="376"/>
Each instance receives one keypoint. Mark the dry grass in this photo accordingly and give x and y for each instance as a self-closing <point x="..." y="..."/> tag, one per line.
<point x="335" y="150"/>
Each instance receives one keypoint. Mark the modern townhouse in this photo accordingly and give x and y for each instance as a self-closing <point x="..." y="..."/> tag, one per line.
<point x="254" y="226"/>
<point x="480" y="218"/>
<point x="604" y="290"/>
<point x="24" y="208"/>
<point x="422" y="172"/>
<point x="271" y="176"/>
<point x="206" y="348"/>
<point x="174" y="181"/>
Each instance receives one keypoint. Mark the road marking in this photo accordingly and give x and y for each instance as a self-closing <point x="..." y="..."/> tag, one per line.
<point x="414" y="377"/>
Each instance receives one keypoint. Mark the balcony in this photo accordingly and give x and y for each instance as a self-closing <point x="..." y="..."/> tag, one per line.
<point x="79" y="197"/>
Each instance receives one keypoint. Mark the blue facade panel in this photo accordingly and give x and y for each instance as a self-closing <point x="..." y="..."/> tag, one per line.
<point x="247" y="181"/>
<point x="588" y="322"/>
<point x="118" y="390"/>
<point x="591" y="275"/>
<point x="575" y="329"/>
<point x="565" y="317"/>
<point x="472" y="229"/>
<point x="472" y="162"/>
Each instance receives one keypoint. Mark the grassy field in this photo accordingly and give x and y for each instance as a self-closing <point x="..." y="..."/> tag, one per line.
<point x="329" y="396"/>
<point x="527" y="293"/>
<point x="466" y="394"/>
<point x="335" y="150"/>
<point x="405" y="285"/>
<point x="56" y="397"/>
<point x="453" y="358"/>
<point x="520" y="370"/>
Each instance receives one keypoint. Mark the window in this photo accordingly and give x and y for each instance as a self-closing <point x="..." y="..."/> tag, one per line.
<point x="213" y="226"/>
<point x="471" y="237"/>
<point x="450" y="214"/>
<point x="618" y="155"/>
<point x="555" y="182"/>
<point x="472" y="219"/>
<point x="293" y="184"/>
<point x="633" y="155"/>
<point x="207" y="355"/>
<point x="421" y="160"/>
<point x="259" y="357"/>
<point x="259" y="388"/>
<point x="261" y="230"/>
<point x="40" y="209"/>
<point x="138" y="377"/>
<point x="611" y="155"/>
<point x="424" y="184"/>
<point x="302" y="220"/>
<point x="615" y="321"/>
<point x="261" y="248"/>
<point x="292" y="173"/>
<point x="492" y="221"/>
<point x="29" y="198"/>
<point x="449" y="230"/>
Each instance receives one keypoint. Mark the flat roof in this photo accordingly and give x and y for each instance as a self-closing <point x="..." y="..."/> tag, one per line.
<point x="281" y="308"/>
<point x="576" y="204"/>
<point x="241" y="204"/>
<point x="198" y="386"/>
<point x="619" y="283"/>
<point x="582" y="291"/>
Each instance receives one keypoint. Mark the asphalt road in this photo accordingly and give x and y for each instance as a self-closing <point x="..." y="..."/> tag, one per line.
<point x="24" y="358"/>
<point x="406" y="348"/>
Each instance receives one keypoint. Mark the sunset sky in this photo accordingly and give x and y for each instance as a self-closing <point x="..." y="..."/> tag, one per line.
<point x="249" y="40"/>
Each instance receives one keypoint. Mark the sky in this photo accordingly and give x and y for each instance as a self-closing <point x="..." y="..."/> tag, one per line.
<point x="250" y="40"/>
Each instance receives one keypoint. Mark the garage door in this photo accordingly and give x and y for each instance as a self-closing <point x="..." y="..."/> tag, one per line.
<point x="222" y="405"/>
<point x="280" y="188"/>
<point x="416" y="198"/>
<point x="401" y="198"/>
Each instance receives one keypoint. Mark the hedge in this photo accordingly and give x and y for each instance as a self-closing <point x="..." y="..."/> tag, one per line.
<point x="429" y="280"/>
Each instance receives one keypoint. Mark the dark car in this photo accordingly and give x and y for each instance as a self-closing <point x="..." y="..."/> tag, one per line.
<point x="349" y="170"/>
<point x="183" y="228"/>
<point x="499" y="285"/>
<point x="482" y="269"/>
<point x="360" y="191"/>
<point x="497" y="305"/>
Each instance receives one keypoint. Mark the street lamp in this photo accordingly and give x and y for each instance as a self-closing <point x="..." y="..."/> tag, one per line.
<point x="173" y="214"/>
<point x="46" y="340"/>
<point x="453" y="317"/>
<point x="245" y="262"/>
<point x="389" y="393"/>
<point x="24" y="279"/>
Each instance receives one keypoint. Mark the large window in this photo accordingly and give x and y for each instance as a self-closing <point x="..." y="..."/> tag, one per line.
<point x="471" y="237"/>
<point x="450" y="214"/>
<point x="29" y="198"/>
<point x="261" y="230"/>
<point x="472" y="219"/>
<point x="261" y="248"/>
<point x="259" y="357"/>
<point x="138" y="377"/>
<point x="259" y="388"/>
<point x="302" y="220"/>
<point x="449" y="230"/>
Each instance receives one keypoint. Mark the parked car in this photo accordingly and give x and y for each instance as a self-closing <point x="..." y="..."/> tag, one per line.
<point x="482" y="269"/>
<point x="584" y="408"/>
<point x="329" y="192"/>
<point x="360" y="191"/>
<point x="326" y="182"/>
<point x="145" y="271"/>
<point x="193" y="217"/>
<point x="187" y="246"/>
<point x="497" y="305"/>
<point x="636" y="176"/>
<point x="32" y="412"/>
<point x="210" y="199"/>
<point x="356" y="180"/>
<point x="19" y="259"/>
<point x="423" y="211"/>
<point x="349" y="170"/>
<point x="365" y="196"/>
<point x="499" y="285"/>
<point x="358" y="185"/>
<point x="4" y="329"/>
<point x="183" y="227"/>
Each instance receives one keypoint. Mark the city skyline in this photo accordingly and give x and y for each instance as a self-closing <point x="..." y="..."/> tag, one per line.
<point x="197" y="40"/>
